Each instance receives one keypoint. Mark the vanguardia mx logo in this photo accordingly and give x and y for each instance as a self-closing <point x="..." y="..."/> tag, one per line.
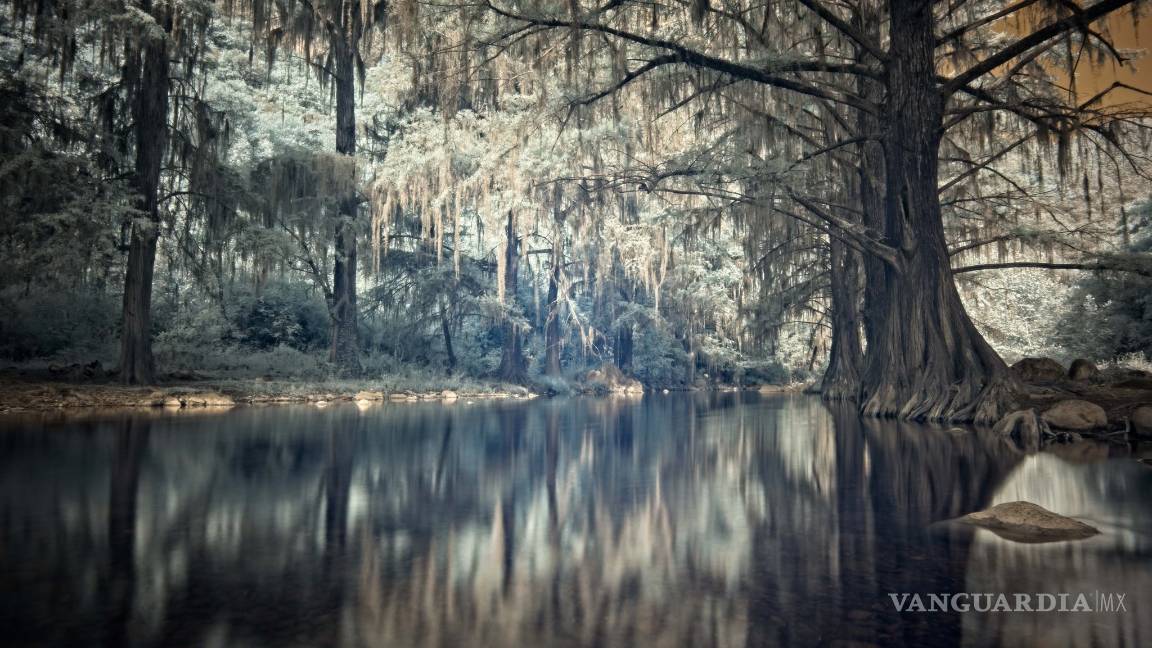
<point x="1096" y="601"/>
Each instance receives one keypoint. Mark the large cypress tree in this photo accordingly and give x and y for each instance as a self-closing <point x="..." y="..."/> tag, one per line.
<point x="925" y="357"/>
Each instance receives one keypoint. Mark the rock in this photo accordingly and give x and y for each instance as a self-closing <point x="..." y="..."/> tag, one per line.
<point x="1076" y="415"/>
<point x="173" y="402"/>
<point x="368" y="396"/>
<point x="1028" y="522"/>
<point x="1142" y="420"/>
<point x="608" y="378"/>
<point x="93" y="369"/>
<point x="397" y="396"/>
<point x="208" y="399"/>
<point x="1141" y="384"/>
<point x="1082" y="369"/>
<point x="449" y="395"/>
<point x="1039" y="370"/>
<point x="1023" y="426"/>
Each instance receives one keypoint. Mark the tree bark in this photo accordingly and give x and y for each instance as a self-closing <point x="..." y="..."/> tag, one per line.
<point x="446" y="330"/>
<point x="622" y="349"/>
<point x="846" y="357"/>
<point x="552" y="326"/>
<point x="852" y="306"/>
<point x="927" y="361"/>
<point x="345" y="352"/>
<point x="137" y="365"/>
<point x="513" y="367"/>
<point x="870" y="176"/>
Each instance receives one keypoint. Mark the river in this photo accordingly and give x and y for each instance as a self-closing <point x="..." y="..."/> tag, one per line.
<point x="710" y="519"/>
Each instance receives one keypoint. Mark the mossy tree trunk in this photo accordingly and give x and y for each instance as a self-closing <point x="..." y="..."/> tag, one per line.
<point x="345" y="352"/>
<point x="846" y="357"/>
<point x="513" y="367"/>
<point x="927" y="360"/>
<point x="150" y="114"/>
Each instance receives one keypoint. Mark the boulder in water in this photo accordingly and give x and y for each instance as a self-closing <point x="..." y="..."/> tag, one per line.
<point x="1023" y="426"/>
<point x="1028" y="522"/>
<point x="1076" y="415"/>
<point x="1039" y="370"/>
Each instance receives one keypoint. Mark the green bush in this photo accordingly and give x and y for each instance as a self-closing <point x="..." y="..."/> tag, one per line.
<point x="57" y="322"/>
<point x="658" y="359"/>
<point x="281" y="315"/>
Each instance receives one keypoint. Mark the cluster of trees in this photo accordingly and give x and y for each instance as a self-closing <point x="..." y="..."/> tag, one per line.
<point x="535" y="187"/>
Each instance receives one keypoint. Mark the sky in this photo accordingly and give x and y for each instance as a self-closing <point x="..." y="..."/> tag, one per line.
<point x="1127" y="34"/>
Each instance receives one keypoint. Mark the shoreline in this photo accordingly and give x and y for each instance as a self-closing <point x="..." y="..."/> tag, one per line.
<point x="24" y="396"/>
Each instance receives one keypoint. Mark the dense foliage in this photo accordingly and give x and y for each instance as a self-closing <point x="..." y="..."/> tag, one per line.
<point x="532" y="193"/>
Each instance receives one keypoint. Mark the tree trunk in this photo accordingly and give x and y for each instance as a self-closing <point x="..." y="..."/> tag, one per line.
<point x="846" y="357"/>
<point x="928" y="361"/>
<point x="446" y="329"/>
<point x="552" y="326"/>
<point x="345" y="352"/>
<point x="870" y="173"/>
<point x="622" y="349"/>
<point x="512" y="365"/>
<point x="151" y="116"/>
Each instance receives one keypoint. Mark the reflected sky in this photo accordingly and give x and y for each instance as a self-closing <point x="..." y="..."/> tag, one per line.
<point x="682" y="519"/>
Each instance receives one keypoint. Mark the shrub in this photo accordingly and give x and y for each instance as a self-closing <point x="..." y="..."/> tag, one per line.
<point x="58" y="322"/>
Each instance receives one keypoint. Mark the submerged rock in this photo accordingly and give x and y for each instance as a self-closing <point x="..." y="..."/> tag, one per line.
<point x="1075" y="414"/>
<point x="1082" y="369"/>
<point x="1028" y="522"/>
<point x="1039" y="370"/>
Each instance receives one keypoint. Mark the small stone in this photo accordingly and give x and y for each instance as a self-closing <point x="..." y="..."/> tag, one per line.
<point x="1039" y="370"/>
<point x="1082" y="369"/>
<point x="449" y="395"/>
<point x="1076" y="415"/>
<point x="208" y="399"/>
<point x="1142" y="420"/>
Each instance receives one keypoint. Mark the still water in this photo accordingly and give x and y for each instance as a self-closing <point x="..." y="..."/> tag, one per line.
<point x="678" y="520"/>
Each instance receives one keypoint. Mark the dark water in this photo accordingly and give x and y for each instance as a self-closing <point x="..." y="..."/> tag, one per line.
<point x="707" y="520"/>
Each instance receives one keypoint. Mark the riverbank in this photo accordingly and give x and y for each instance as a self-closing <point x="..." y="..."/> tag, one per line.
<point x="25" y="394"/>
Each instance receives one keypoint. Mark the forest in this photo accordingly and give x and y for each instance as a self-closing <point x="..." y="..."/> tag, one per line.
<point x="917" y="207"/>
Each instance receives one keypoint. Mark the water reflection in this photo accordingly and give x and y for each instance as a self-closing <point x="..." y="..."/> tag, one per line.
<point x="710" y="520"/>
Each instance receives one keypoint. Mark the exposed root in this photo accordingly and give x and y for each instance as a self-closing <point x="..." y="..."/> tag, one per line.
<point x="956" y="403"/>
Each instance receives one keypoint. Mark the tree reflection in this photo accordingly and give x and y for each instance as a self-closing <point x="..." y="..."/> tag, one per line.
<point x="710" y="519"/>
